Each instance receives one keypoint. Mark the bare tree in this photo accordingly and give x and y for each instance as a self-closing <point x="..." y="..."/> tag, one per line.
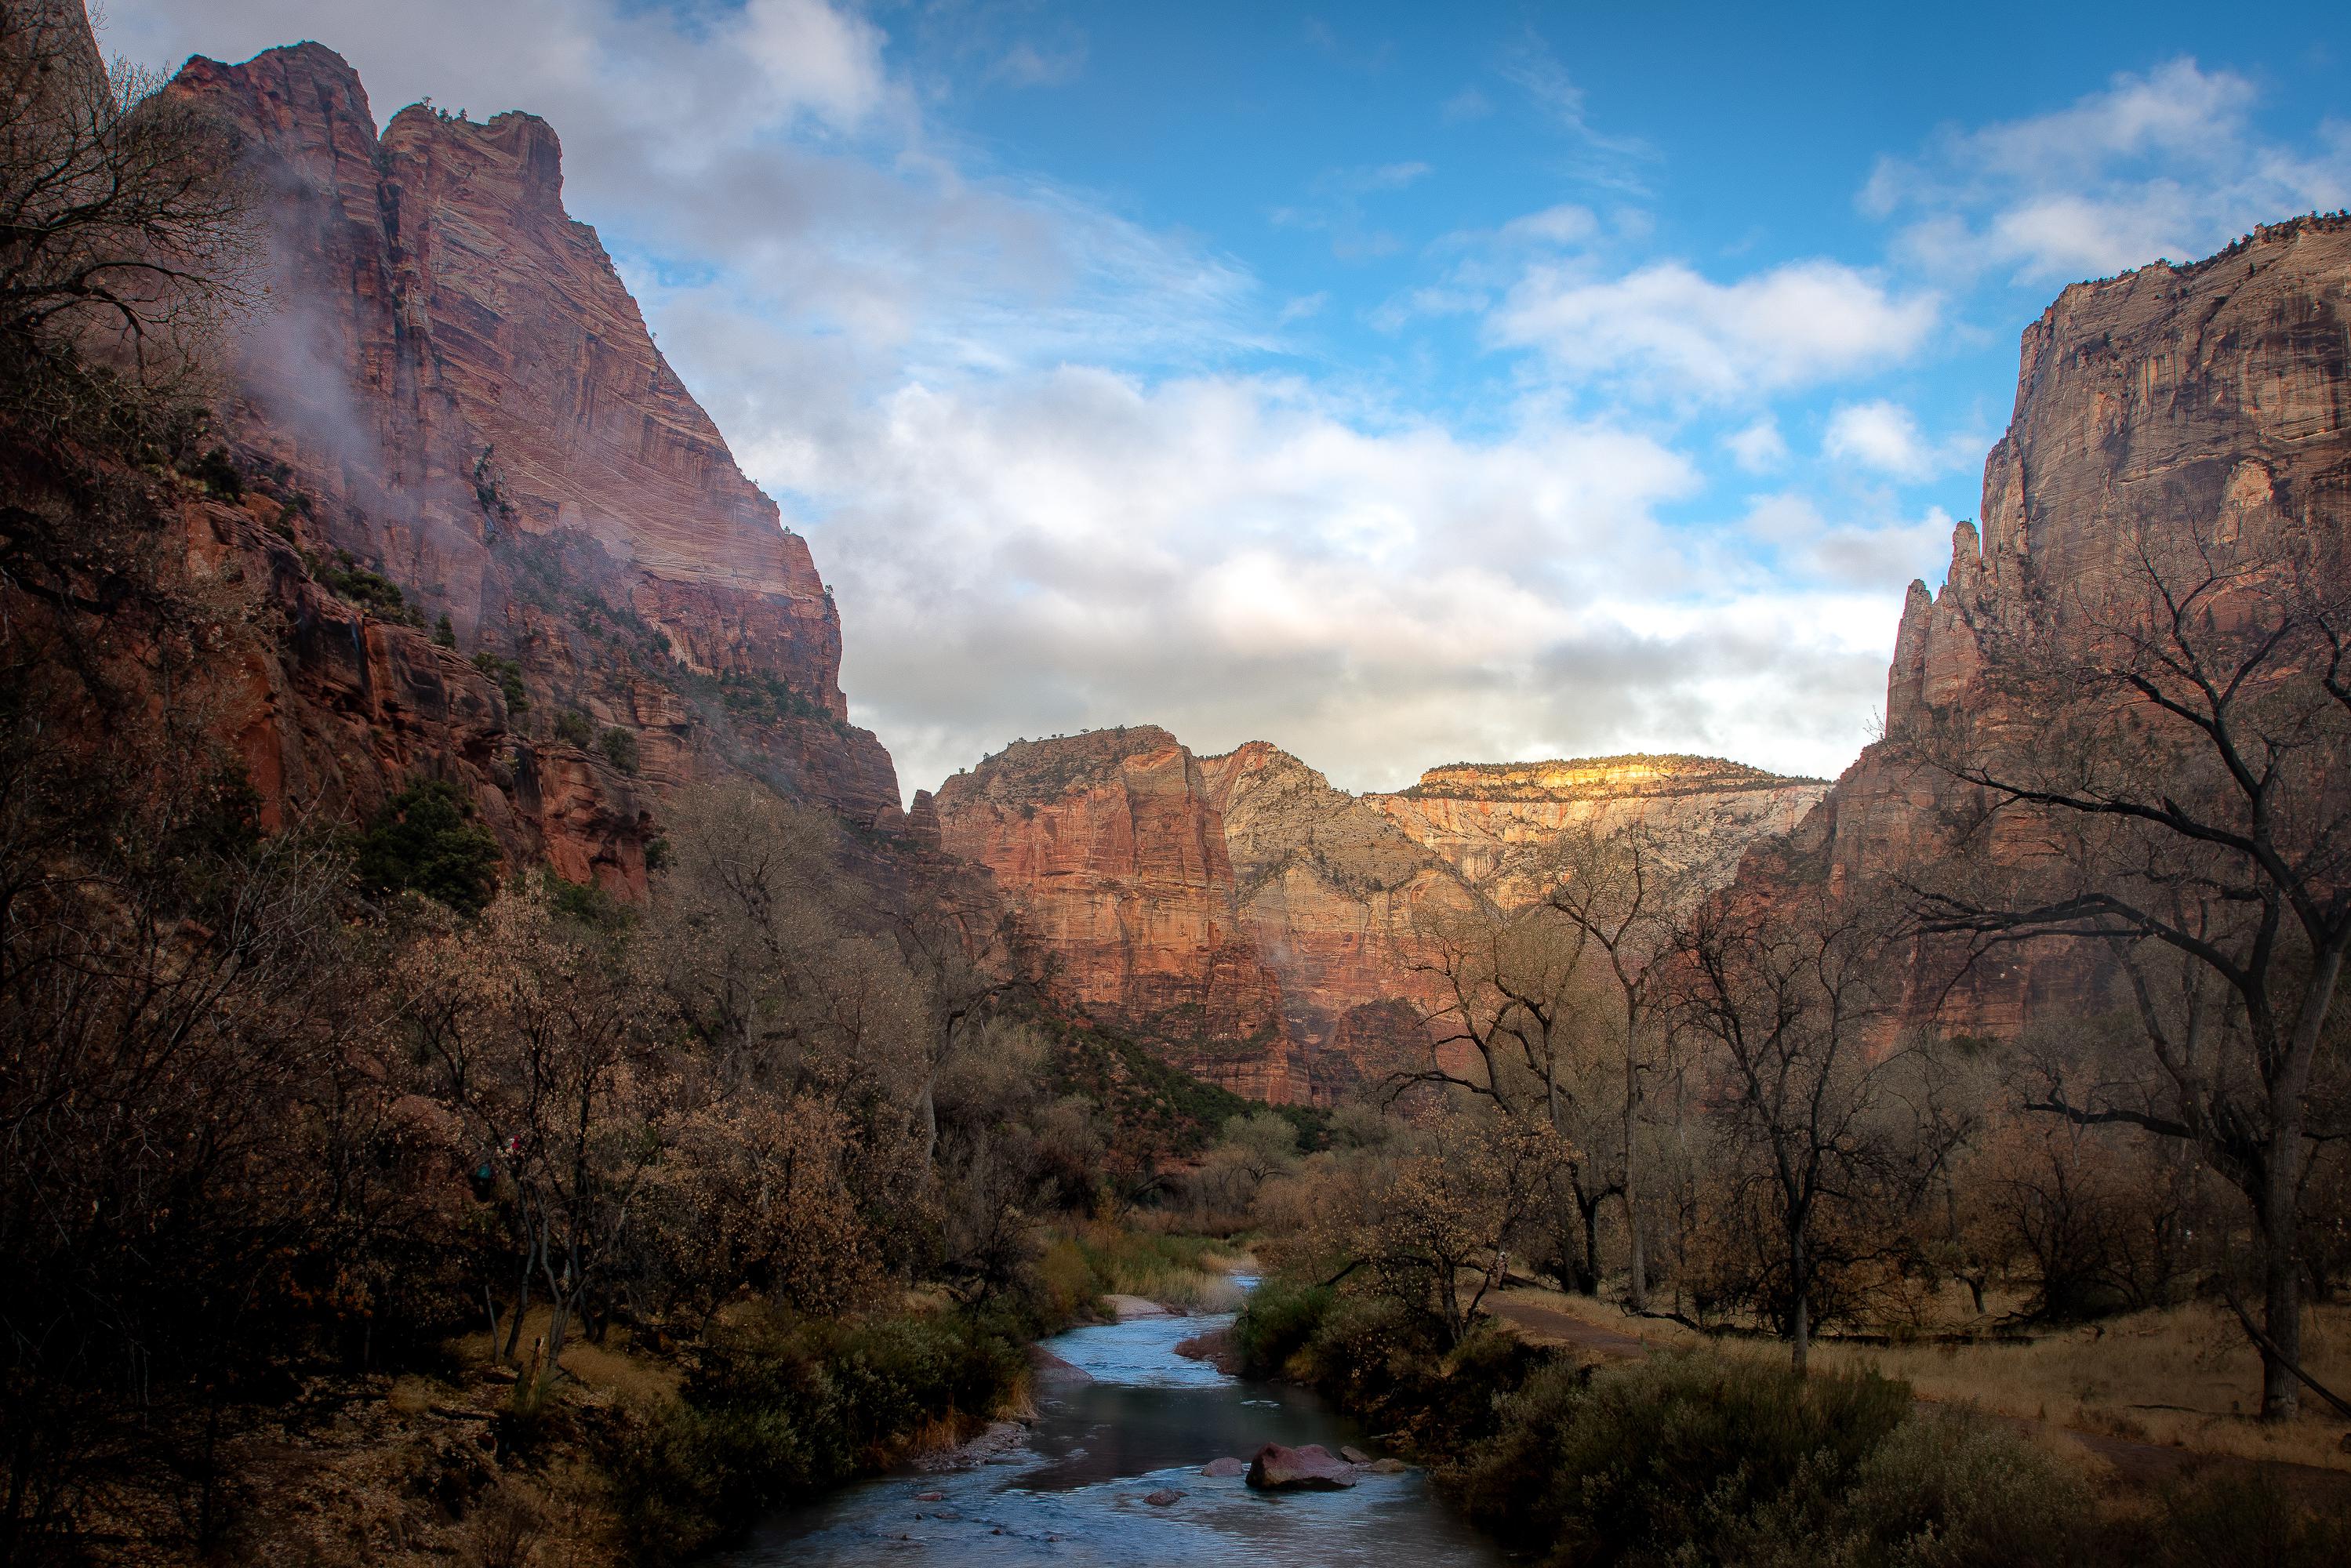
<point x="1522" y="996"/>
<point x="539" y="1040"/>
<point x="1451" y="1211"/>
<point x="2185" y="803"/>
<point x="1623" y="892"/>
<point x="123" y="220"/>
<point x="1821" y="1131"/>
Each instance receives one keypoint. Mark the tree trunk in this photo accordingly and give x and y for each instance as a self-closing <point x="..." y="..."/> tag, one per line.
<point x="1637" y="1293"/>
<point x="2282" y="1282"/>
<point x="1800" y="1315"/>
<point x="1589" y="1285"/>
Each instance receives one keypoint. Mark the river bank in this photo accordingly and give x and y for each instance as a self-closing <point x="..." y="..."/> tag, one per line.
<point x="1110" y="1470"/>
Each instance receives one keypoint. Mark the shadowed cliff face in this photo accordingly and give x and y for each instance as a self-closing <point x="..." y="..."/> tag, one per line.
<point x="1265" y="927"/>
<point x="452" y="377"/>
<point x="2215" y="396"/>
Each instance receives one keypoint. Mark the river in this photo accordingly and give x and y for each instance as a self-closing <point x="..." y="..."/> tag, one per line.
<point x="1074" y="1493"/>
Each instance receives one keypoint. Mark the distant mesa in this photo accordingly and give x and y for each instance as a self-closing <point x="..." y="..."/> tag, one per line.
<point x="1260" y="925"/>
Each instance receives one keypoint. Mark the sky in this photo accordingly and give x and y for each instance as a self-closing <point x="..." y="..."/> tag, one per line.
<point x="1398" y="383"/>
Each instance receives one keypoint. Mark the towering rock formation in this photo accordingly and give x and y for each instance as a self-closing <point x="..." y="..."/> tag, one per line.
<point x="2214" y="396"/>
<point x="1116" y="861"/>
<point x="449" y="378"/>
<point x="1267" y="929"/>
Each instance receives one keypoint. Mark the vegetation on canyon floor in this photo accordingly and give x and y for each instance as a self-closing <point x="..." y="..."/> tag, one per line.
<point x="364" y="1195"/>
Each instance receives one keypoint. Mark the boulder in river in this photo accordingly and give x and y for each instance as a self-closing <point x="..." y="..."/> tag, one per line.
<point x="1390" y="1467"/>
<point x="1225" y="1468"/>
<point x="1051" y="1369"/>
<point x="1313" y="1468"/>
<point x="1354" y="1455"/>
<point x="1164" y="1498"/>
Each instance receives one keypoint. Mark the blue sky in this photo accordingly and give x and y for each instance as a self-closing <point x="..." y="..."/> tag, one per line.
<point x="1398" y="384"/>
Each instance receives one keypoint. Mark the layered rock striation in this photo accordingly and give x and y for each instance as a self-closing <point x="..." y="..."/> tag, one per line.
<point x="1268" y="930"/>
<point x="449" y="388"/>
<point x="2211" y="399"/>
<point x="1115" y="860"/>
<point x="1492" y="821"/>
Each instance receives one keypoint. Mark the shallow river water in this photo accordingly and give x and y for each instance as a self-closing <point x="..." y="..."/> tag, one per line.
<point x="1148" y="1421"/>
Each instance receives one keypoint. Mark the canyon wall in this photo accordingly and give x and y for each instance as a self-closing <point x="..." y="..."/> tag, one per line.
<point x="2214" y="396"/>
<point x="1263" y="927"/>
<point x="447" y="388"/>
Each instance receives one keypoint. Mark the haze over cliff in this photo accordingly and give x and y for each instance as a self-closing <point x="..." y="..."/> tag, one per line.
<point x="448" y="387"/>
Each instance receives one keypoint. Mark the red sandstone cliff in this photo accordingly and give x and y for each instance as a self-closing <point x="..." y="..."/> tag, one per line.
<point x="1114" y="859"/>
<point x="1263" y="926"/>
<point x="450" y="385"/>
<point x="2214" y="396"/>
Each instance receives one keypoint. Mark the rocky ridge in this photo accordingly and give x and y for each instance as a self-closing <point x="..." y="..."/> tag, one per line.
<point x="1264" y="927"/>
<point x="2214" y="395"/>
<point x="450" y="391"/>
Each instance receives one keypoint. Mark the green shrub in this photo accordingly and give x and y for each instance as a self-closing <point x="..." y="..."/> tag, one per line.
<point x="572" y="728"/>
<point x="1279" y="1317"/>
<point x="772" y="1410"/>
<point x="583" y="902"/>
<point x="426" y="840"/>
<point x="368" y="589"/>
<point x="1951" y="1490"/>
<point x="508" y="674"/>
<point x="445" y="633"/>
<point x="218" y="473"/>
<point x="1672" y="1456"/>
<point x="1946" y="1490"/>
<point x="620" y="748"/>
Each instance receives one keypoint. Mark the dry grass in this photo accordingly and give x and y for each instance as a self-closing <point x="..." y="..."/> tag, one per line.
<point x="608" y="1368"/>
<point x="2181" y="1377"/>
<point x="1185" y="1273"/>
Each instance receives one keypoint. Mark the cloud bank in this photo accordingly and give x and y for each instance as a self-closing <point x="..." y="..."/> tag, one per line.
<point x="1063" y="469"/>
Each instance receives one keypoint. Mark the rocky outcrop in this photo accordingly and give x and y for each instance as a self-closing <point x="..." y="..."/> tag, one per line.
<point x="1115" y="860"/>
<point x="449" y="386"/>
<point x="1268" y="930"/>
<point x="1491" y="822"/>
<point x="2214" y="396"/>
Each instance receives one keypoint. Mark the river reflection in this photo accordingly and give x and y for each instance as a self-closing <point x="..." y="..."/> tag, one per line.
<point x="1148" y="1421"/>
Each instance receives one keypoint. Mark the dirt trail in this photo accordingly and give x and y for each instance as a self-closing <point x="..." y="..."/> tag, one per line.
<point x="2134" y="1464"/>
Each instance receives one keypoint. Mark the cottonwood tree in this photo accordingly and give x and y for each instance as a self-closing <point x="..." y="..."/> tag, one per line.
<point x="1520" y="999"/>
<point x="1622" y="891"/>
<point x="540" y="1040"/>
<point x="2184" y="802"/>
<point x="778" y="967"/>
<point x="1823" y="1148"/>
<point x="1452" y="1210"/>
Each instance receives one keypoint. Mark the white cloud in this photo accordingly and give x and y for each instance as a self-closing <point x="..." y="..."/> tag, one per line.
<point x="1567" y="224"/>
<point x="1004" y="414"/>
<point x="1468" y="104"/>
<point x="1242" y="558"/>
<point x="1759" y="448"/>
<point x="1864" y="554"/>
<point x="1667" y="331"/>
<point x="1885" y="437"/>
<point x="1026" y="64"/>
<point x="2165" y="164"/>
